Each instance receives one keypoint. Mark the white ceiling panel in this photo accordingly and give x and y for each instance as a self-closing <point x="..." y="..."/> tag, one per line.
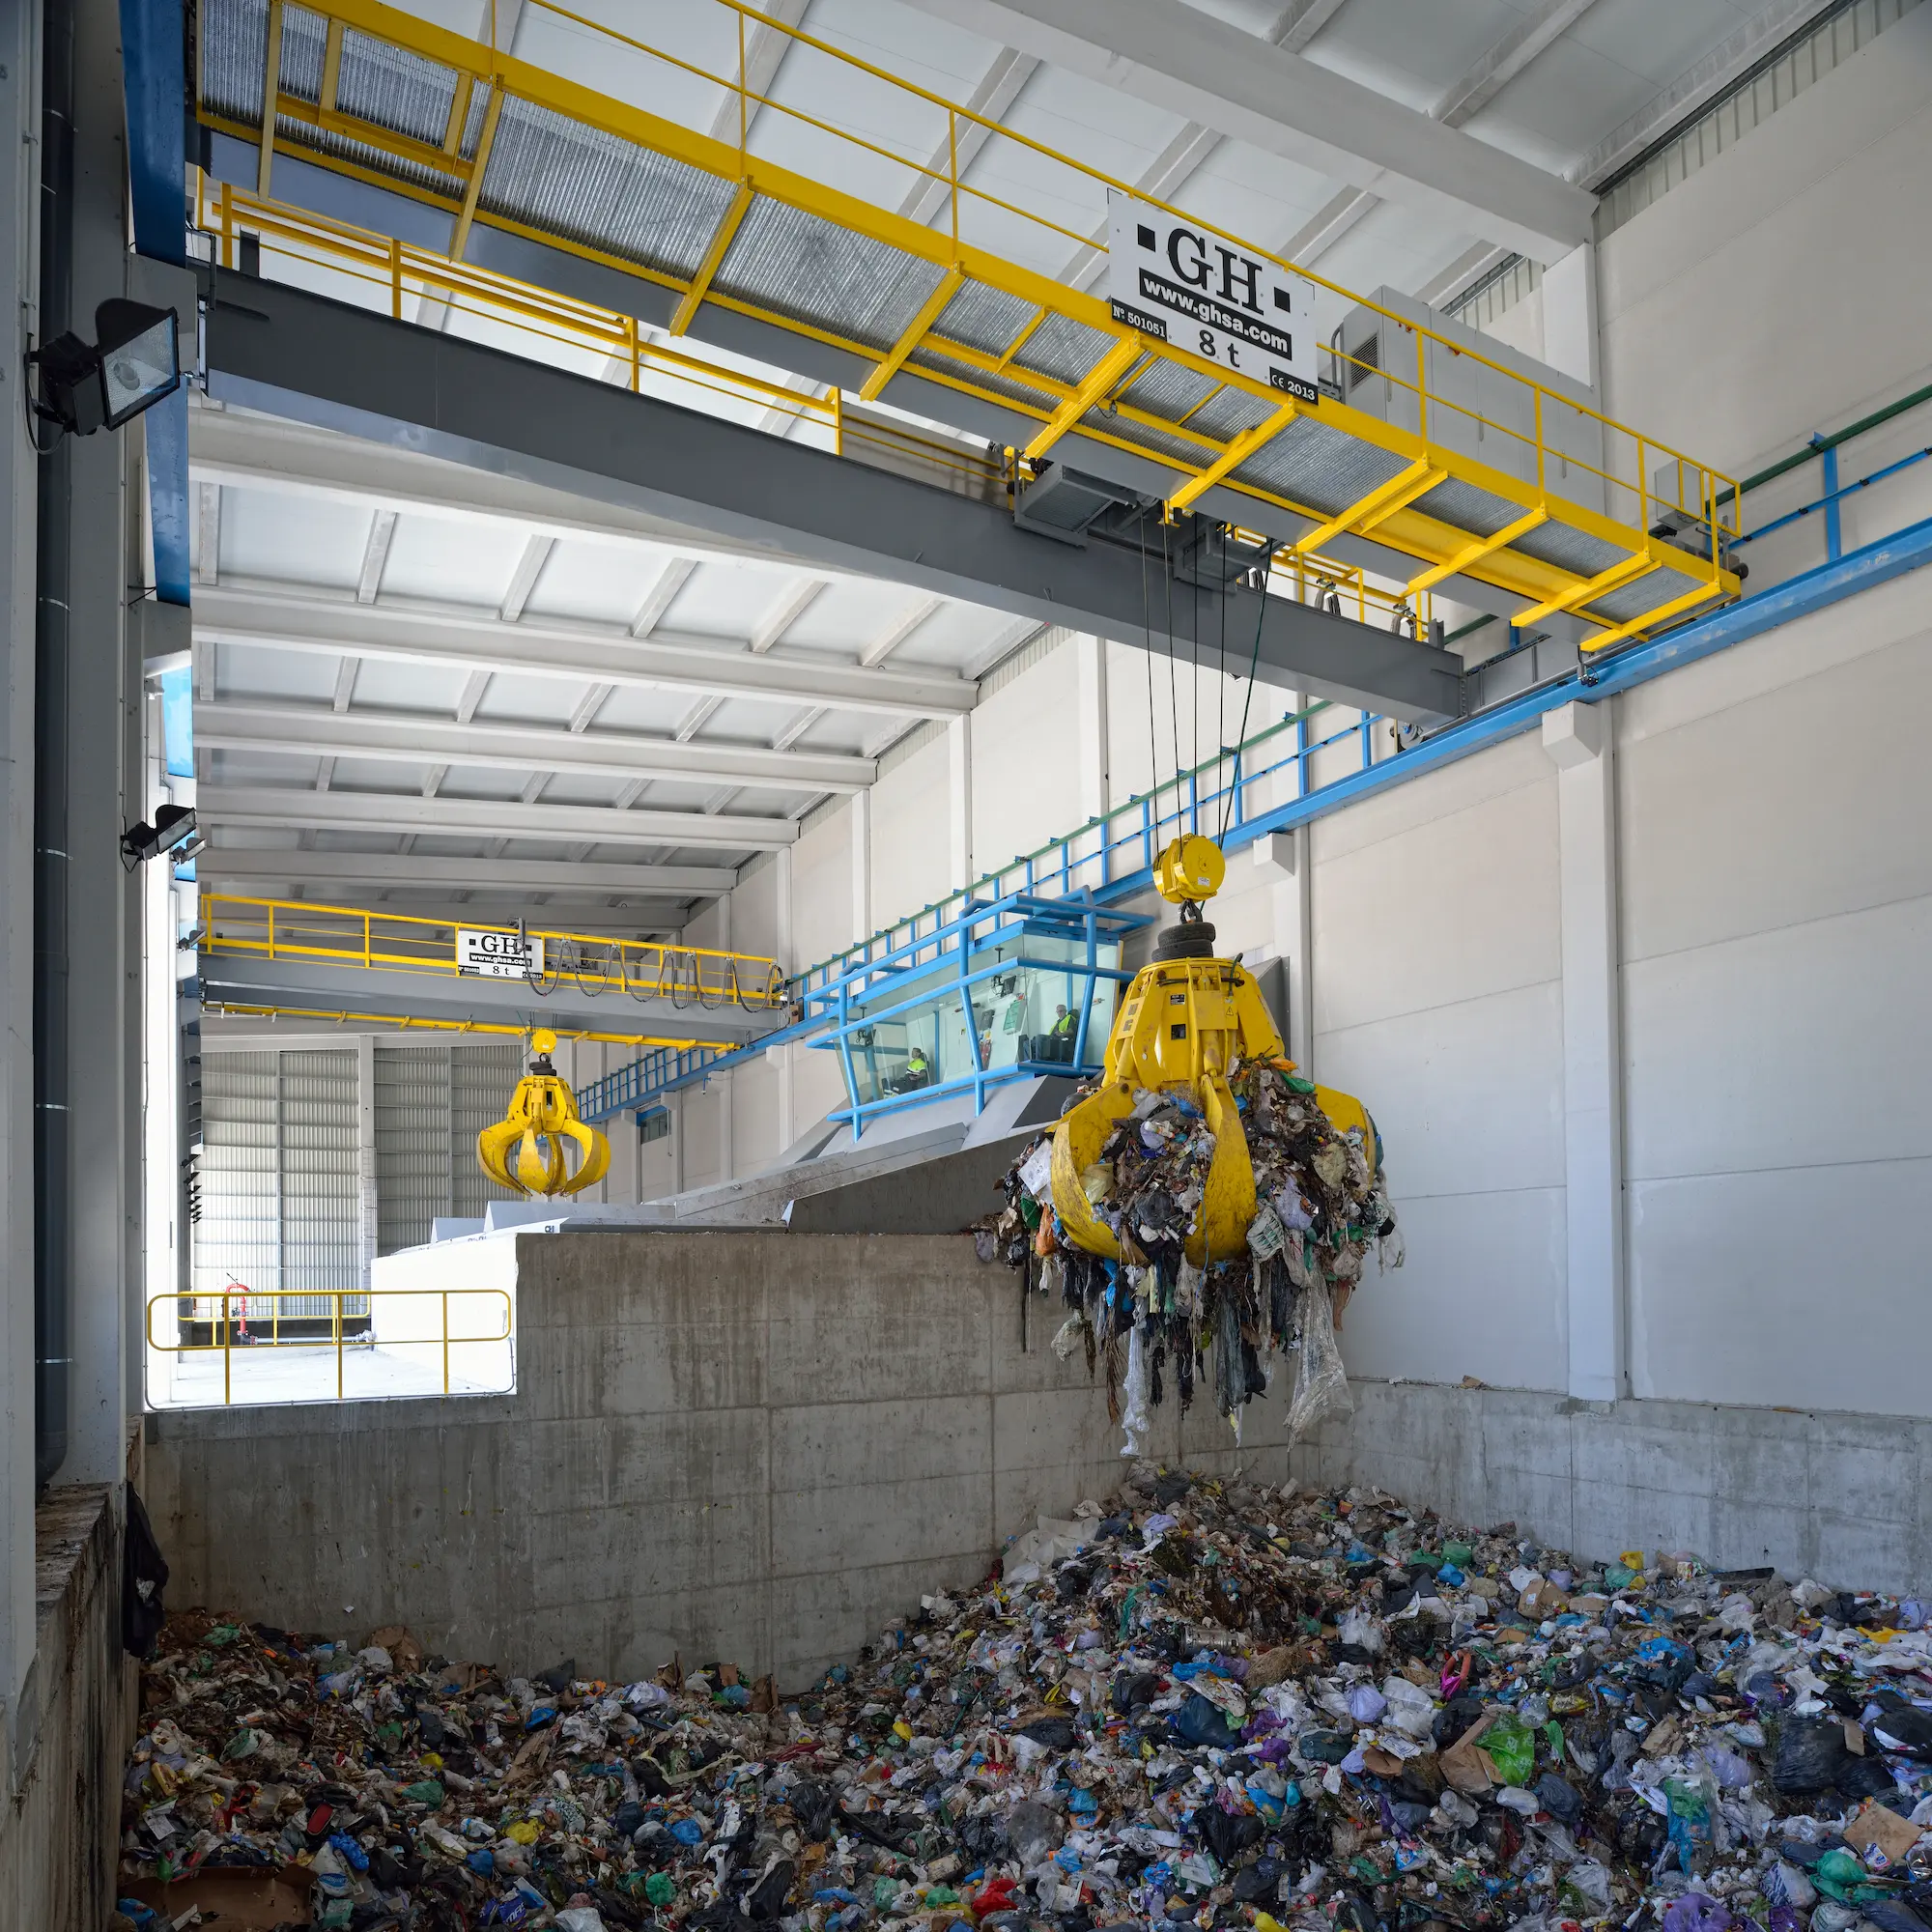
<point x="1411" y="53"/>
<point x="381" y="774"/>
<point x="746" y="721"/>
<point x="725" y="600"/>
<point x="651" y="713"/>
<point x="1659" y="43"/>
<point x="845" y="617"/>
<point x="255" y="670"/>
<point x="595" y="583"/>
<point x="489" y="782"/>
<point x="579" y="788"/>
<point x="439" y="558"/>
<point x="296" y="539"/>
<point x="698" y="31"/>
<point x="513" y="698"/>
<point x="389" y="684"/>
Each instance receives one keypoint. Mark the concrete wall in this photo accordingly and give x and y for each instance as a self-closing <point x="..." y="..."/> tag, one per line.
<point x="1842" y="1498"/>
<point x="753" y="1445"/>
<point x="59" y="1833"/>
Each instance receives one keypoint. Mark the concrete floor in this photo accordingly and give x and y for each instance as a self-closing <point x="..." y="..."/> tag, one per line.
<point x="307" y="1373"/>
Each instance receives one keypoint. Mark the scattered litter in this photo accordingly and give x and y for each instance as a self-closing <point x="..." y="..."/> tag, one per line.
<point x="1321" y="1206"/>
<point x="1192" y="1706"/>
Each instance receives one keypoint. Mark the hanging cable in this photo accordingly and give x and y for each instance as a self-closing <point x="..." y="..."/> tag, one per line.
<point x="1254" y="662"/>
<point x="1173" y="694"/>
<point x="1146" y="631"/>
<point x="1221" y="659"/>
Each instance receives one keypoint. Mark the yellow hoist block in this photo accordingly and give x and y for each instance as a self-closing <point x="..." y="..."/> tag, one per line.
<point x="1186" y="1019"/>
<point x="542" y="1118"/>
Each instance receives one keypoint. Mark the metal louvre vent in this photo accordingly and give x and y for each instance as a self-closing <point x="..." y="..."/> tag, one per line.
<point x="1309" y="463"/>
<point x="556" y="174"/>
<point x="1062" y="348"/>
<point x="321" y="1188"/>
<point x="296" y="135"/>
<point x="304" y="44"/>
<point x="983" y="318"/>
<point x="239" y="1236"/>
<point x="1169" y="389"/>
<point x="234" y="51"/>
<point x="482" y="1075"/>
<point x="802" y="265"/>
<point x="413" y="1153"/>
<point x="394" y="89"/>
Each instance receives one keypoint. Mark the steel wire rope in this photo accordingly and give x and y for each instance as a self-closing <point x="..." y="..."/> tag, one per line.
<point x="1254" y="660"/>
<point x="1173" y="692"/>
<point x="1193" y="706"/>
<point x="1221" y="660"/>
<point x="1153" y="739"/>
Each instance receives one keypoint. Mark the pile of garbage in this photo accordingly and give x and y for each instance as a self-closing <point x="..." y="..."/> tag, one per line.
<point x="1191" y="1707"/>
<point x="1322" y="1205"/>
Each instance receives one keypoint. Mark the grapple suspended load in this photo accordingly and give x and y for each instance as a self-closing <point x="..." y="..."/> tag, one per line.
<point x="525" y="1152"/>
<point x="1188" y="1017"/>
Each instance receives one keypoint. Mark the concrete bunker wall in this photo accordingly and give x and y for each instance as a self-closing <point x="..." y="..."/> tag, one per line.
<point x="744" y="1443"/>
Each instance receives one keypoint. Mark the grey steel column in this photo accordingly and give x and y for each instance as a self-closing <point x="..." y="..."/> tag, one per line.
<point x="104" y="796"/>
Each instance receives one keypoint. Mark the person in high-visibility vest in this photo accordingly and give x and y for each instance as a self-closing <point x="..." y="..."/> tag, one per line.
<point x="918" y="1067"/>
<point x="1063" y="1024"/>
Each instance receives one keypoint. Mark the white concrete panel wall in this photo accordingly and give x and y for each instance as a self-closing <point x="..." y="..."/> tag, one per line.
<point x="1026" y="761"/>
<point x="1438" y="1001"/>
<point x="821" y="887"/>
<point x="912" y="827"/>
<point x="1777" y="919"/>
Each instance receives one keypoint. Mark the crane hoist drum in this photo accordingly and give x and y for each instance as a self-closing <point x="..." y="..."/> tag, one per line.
<point x="541" y="1121"/>
<point x="1186" y="1019"/>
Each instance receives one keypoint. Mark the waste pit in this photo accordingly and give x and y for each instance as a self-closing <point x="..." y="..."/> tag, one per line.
<point x="1191" y="1705"/>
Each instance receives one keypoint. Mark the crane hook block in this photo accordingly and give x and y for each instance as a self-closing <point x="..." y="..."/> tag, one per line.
<point x="1191" y="870"/>
<point x="525" y="1152"/>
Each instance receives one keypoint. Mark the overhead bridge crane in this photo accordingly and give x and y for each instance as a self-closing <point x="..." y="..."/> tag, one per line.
<point x="1567" y="521"/>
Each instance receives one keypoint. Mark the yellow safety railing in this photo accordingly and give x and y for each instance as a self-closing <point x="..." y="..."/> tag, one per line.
<point x="979" y="247"/>
<point x="417" y="1023"/>
<point x="404" y="272"/>
<point x="592" y="964"/>
<point x="223" y="1311"/>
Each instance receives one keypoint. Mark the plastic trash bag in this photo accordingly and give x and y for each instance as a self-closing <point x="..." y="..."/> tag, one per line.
<point x="1321" y="1381"/>
<point x="1512" y="1747"/>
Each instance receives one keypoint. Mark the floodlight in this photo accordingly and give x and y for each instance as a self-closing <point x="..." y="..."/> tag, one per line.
<point x="173" y="829"/>
<point x="135" y="362"/>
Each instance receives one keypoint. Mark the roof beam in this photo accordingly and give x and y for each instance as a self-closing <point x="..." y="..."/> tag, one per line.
<point x="276" y="347"/>
<point x="376" y="556"/>
<point x="266" y="809"/>
<point x="998" y="89"/>
<point x="524" y="579"/>
<point x="342" y="873"/>
<point x="464" y="639"/>
<point x="1302" y="20"/>
<point x="208" y="533"/>
<point x="1508" y="58"/>
<point x="1468" y="97"/>
<point x="765" y="48"/>
<point x="1190" y="63"/>
<point x="411" y="738"/>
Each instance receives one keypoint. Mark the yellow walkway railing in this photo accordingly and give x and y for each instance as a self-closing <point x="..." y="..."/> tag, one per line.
<point x="952" y="303"/>
<point x="683" y="975"/>
<point x="228" y="1313"/>
<point x="401" y="273"/>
